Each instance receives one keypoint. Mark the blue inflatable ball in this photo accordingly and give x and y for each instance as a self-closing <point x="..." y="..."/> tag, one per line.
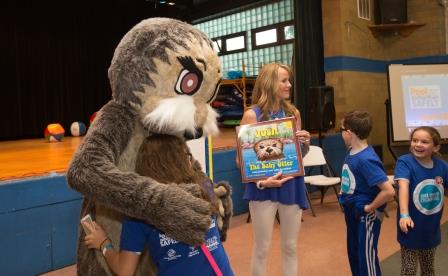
<point x="78" y="129"/>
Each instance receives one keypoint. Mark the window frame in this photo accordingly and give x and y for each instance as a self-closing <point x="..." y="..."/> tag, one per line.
<point x="215" y="40"/>
<point x="288" y="23"/>
<point x="279" y="27"/>
<point x="364" y="9"/>
<point x="224" y="39"/>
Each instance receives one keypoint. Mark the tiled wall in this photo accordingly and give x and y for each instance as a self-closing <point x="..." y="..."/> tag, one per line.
<point x="245" y="21"/>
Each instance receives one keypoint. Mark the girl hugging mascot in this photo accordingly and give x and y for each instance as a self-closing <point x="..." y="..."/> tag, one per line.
<point x="164" y="74"/>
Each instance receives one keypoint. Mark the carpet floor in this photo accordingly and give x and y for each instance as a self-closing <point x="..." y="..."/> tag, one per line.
<point x="392" y="264"/>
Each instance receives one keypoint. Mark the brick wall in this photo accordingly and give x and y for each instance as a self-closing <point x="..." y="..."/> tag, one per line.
<point x="346" y="35"/>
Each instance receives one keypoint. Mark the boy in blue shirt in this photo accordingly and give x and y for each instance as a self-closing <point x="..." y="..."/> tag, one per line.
<point x="365" y="190"/>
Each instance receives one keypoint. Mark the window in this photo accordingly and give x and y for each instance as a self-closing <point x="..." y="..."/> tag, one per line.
<point x="288" y="32"/>
<point x="235" y="43"/>
<point x="272" y="35"/>
<point x="217" y="45"/>
<point x="230" y="44"/>
<point x="364" y="9"/>
<point x="266" y="37"/>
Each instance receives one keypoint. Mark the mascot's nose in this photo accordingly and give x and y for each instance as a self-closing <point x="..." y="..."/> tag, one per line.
<point x="190" y="136"/>
<point x="269" y="150"/>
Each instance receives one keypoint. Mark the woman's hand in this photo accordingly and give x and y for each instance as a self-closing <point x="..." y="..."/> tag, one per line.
<point x="276" y="180"/>
<point x="303" y="136"/>
<point x="405" y="224"/>
<point x="96" y="236"/>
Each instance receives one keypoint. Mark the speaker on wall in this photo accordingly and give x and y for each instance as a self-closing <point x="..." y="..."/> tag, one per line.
<point x="321" y="112"/>
<point x="391" y="11"/>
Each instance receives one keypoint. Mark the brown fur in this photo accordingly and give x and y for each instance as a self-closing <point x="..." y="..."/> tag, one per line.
<point x="143" y="72"/>
<point x="269" y="149"/>
<point x="199" y="116"/>
<point x="168" y="159"/>
<point x="172" y="166"/>
<point x="223" y="191"/>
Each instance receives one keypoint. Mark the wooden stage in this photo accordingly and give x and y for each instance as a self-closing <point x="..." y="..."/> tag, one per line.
<point x="37" y="157"/>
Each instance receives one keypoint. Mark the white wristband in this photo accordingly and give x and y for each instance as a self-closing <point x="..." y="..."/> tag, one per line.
<point x="259" y="185"/>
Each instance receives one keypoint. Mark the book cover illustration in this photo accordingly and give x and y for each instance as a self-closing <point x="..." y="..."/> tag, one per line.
<point x="268" y="147"/>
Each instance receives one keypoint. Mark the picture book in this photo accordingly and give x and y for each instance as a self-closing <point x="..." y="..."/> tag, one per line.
<point x="265" y="148"/>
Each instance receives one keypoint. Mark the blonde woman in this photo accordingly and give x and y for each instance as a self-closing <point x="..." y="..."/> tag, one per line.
<point x="270" y="100"/>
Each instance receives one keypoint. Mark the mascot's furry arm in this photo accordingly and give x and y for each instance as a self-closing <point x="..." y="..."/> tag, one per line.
<point x="223" y="191"/>
<point x="94" y="173"/>
<point x="163" y="76"/>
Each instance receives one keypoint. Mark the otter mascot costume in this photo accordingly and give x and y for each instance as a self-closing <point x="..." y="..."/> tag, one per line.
<point x="163" y="75"/>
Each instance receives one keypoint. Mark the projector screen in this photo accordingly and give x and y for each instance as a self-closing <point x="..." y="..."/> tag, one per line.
<point x="419" y="97"/>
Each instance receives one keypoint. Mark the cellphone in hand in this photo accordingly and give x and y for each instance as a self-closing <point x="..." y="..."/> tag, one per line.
<point x="87" y="218"/>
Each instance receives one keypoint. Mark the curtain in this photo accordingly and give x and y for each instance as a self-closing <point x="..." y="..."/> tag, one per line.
<point x="308" y="57"/>
<point x="55" y="57"/>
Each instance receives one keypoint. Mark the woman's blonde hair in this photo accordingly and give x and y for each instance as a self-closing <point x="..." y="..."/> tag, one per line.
<point x="265" y="89"/>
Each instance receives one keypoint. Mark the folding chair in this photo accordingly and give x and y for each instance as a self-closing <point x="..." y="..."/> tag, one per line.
<point x="325" y="179"/>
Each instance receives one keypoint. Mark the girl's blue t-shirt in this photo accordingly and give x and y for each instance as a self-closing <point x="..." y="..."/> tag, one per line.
<point x="426" y="199"/>
<point x="172" y="257"/>
<point x="361" y="174"/>
<point x="291" y="192"/>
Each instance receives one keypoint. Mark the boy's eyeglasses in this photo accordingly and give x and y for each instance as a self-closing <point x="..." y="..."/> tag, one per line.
<point x="341" y="129"/>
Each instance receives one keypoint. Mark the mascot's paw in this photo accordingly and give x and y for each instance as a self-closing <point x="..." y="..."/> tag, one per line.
<point x="223" y="192"/>
<point x="182" y="216"/>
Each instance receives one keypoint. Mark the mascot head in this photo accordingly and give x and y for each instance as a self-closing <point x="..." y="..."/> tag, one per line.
<point x="169" y="73"/>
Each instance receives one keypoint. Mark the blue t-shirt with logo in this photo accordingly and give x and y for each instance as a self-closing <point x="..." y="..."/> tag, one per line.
<point x="426" y="191"/>
<point x="173" y="257"/>
<point x="361" y="173"/>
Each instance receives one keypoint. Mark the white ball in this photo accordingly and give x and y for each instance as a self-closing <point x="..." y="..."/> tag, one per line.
<point x="78" y="129"/>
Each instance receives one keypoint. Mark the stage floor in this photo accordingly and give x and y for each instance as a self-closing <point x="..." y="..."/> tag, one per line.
<point x="37" y="157"/>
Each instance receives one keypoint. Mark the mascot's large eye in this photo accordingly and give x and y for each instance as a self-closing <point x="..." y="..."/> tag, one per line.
<point x="187" y="83"/>
<point x="190" y="77"/>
